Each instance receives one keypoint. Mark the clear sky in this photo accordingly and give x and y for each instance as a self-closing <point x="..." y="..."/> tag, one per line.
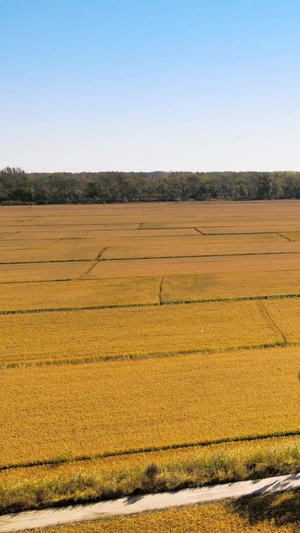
<point x="150" y="85"/>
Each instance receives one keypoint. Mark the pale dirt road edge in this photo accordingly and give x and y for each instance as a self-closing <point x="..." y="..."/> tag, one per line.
<point x="148" y="502"/>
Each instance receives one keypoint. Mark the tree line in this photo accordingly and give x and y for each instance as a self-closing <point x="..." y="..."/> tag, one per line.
<point x="18" y="187"/>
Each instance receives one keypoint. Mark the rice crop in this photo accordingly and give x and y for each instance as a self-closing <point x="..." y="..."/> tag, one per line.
<point x="116" y="406"/>
<point x="237" y="285"/>
<point x="23" y="272"/>
<point x="203" y="248"/>
<point x="286" y="315"/>
<point x="32" y="244"/>
<point x="195" y="265"/>
<point x="292" y="236"/>
<point x="255" y="227"/>
<point x="131" y="332"/>
<point x="177" y="232"/>
<point x="181" y="376"/>
<point x="57" y="252"/>
<point x="78" y="294"/>
<point x="44" y="232"/>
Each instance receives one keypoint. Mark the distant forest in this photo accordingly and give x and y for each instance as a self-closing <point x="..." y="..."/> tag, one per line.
<point x="17" y="187"/>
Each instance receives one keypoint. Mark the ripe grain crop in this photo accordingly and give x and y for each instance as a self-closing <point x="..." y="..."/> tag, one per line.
<point x="44" y="232"/>
<point x="294" y="236"/>
<point x="23" y="272"/>
<point x="132" y="332"/>
<point x="59" y="251"/>
<point x="80" y="294"/>
<point x="145" y="233"/>
<point x="253" y="228"/>
<point x="200" y="249"/>
<point x="63" y="412"/>
<point x="115" y="406"/>
<point x="139" y="240"/>
<point x="121" y="239"/>
<point x="237" y="285"/>
<point x="76" y="219"/>
<point x="286" y="314"/>
<point x="245" y="239"/>
<point x="32" y="244"/>
<point x="196" y="265"/>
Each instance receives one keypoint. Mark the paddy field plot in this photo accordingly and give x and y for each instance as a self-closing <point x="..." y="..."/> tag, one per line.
<point x="143" y="326"/>
<point x="80" y="294"/>
<point x="200" y="249"/>
<point x="230" y="285"/>
<point x="57" y="251"/>
<point x="281" y="228"/>
<point x="294" y="236"/>
<point x="26" y="272"/>
<point x="194" y="265"/>
<point x="116" y="405"/>
<point x="132" y="332"/>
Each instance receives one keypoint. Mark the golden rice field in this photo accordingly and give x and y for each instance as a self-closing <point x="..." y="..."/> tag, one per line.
<point x="140" y="326"/>
<point x="131" y="332"/>
<point x="230" y="285"/>
<point x="81" y="293"/>
<point x="22" y="272"/>
<point x="194" y="265"/>
<point x="198" y="250"/>
<point x="120" y="405"/>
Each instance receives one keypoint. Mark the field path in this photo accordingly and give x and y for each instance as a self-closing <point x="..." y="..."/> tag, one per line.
<point x="139" y="504"/>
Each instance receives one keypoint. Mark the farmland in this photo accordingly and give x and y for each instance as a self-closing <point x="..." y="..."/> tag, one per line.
<point x="141" y="332"/>
<point x="186" y="398"/>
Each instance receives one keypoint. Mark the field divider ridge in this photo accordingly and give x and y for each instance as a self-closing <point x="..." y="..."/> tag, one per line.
<point x="146" y="258"/>
<point x="46" y="246"/>
<point x="134" y="451"/>
<point x="193" y="256"/>
<point x="140" y="357"/>
<point x="45" y="262"/>
<point x="284" y="237"/>
<point x="92" y="265"/>
<point x="161" y="291"/>
<point x="243" y="233"/>
<point x="9" y="235"/>
<point x="161" y="302"/>
<point x="199" y="231"/>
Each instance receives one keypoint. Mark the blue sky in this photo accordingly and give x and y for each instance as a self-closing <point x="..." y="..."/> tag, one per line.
<point x="150" y="85"/>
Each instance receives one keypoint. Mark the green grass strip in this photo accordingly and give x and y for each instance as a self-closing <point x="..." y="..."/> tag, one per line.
<point x="62" y="460"/>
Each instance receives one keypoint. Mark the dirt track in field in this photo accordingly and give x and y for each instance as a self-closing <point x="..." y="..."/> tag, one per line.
<point x="149" y="502"/>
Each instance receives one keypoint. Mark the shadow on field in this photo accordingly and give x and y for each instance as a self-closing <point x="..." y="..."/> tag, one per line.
<point x="282" y="508"/>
